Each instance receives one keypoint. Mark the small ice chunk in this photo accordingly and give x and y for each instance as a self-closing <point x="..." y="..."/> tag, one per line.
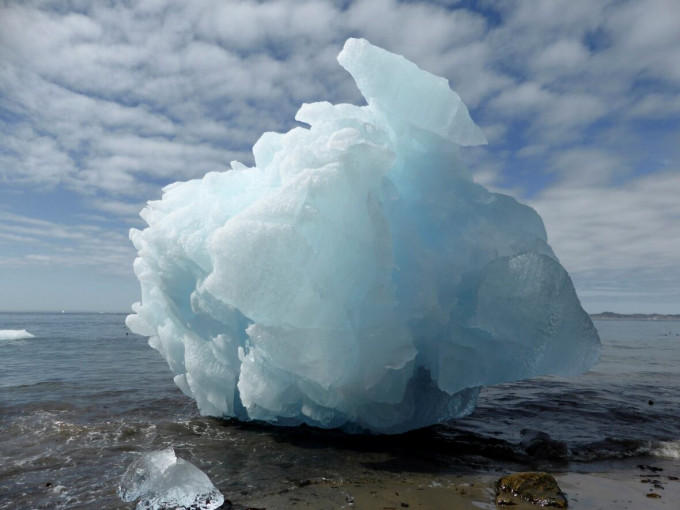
<point x="162" y="480"/>
<point x="14" y="334"/>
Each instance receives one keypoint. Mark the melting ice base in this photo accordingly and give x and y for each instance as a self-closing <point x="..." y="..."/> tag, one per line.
<point x="356" y="277"/>
<point x="161" y="480"/>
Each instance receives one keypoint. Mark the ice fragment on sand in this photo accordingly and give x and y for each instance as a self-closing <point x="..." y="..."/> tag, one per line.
<point x="356" y="277"/>
<point x="161" y="480"/>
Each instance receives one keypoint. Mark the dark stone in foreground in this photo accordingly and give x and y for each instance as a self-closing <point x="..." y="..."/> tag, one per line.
<point x="537" y="488"/>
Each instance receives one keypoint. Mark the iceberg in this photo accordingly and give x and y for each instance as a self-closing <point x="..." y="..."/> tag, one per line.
<point x="14" y="334"/>
<point x="356" y="276"/>
<point x="161" y="480"/>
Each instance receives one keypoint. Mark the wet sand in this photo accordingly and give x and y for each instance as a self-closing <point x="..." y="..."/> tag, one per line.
<point x="614" y="486"/>
<point x="409" y="491"/>
<point x="631" y="489"/>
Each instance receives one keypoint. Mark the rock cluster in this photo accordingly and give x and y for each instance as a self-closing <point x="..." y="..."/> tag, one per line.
<point x="537" y="488"/>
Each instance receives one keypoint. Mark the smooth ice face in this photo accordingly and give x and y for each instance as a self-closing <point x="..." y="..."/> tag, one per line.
<point x="356" y="277"/>
<point x="161" y="480"/>
<point x="396" y="86"/>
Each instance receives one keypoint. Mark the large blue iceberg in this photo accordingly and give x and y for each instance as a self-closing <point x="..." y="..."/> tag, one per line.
<point x="356" y="276"/>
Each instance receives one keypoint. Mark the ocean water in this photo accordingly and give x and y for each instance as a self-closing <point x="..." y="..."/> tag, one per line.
<point x="82" y="397"/>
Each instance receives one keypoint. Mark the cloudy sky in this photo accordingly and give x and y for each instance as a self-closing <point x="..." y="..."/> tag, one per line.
<point x="103" y="103"/>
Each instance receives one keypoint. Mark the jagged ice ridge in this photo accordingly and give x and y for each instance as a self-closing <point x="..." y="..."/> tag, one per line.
<point x="356" y="276"/>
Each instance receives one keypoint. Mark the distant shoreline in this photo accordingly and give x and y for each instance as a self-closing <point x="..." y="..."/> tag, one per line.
<point x="604" y="316"/>
<point x="611" y="316"/>
<point x="54" y="312"/>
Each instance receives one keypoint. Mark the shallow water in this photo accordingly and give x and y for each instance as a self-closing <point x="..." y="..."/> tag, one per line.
<point x="79" y="399"/>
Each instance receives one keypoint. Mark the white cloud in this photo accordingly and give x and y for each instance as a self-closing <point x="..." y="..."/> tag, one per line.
<point x="525" y="99"/>
<point x="116" y="93"/>
<point x="112" y="100"/>
<point x="656" y="106"/>
<point x="572" y="110"/>
<point x="625" y="228"/>
<point x="249" y="24"/>
<point x="648" y="33"/>
<point x="587" y="167"/>
<point x="561" y="58"/>
<point x="27" y="242"/>
<point x="620" y="244"/>
<point x="576" y="63"/>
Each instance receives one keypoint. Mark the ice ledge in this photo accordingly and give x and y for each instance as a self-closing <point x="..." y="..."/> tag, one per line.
<point x="399" y="88"/>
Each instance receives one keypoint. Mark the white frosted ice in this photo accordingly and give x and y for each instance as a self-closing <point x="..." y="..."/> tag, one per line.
<point x="14" y="334"/>
<point x="162" y="480"/>
<point x="356" y="276"/>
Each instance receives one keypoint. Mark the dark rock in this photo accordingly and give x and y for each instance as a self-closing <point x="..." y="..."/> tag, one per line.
<point x="646" y="467"/>
<point x="537" y="488"/>
<point x="541" y="446"/>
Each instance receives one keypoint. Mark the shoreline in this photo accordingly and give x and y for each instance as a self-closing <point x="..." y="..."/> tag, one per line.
<point x="617" y="485"/>
<point x="611" y="316"/>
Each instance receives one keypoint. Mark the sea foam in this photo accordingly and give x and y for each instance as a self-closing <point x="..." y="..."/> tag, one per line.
<point x="14" y="334"/>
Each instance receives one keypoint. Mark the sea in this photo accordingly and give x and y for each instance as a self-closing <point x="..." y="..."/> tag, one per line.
<point x="83" y="397"/>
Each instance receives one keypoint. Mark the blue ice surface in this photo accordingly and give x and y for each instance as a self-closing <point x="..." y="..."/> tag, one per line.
<point x="356" y="276"/>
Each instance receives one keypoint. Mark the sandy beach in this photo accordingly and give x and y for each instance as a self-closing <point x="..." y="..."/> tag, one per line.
<point x="629" y="484"/>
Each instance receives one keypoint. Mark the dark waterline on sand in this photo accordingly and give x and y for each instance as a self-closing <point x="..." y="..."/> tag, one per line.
<point x="82" y="396"/>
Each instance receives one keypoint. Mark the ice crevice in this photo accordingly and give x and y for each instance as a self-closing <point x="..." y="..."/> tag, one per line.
<point x="356" y="276"/>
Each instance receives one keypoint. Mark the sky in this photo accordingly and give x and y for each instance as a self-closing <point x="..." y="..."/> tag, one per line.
<point x="104" y="103"/>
